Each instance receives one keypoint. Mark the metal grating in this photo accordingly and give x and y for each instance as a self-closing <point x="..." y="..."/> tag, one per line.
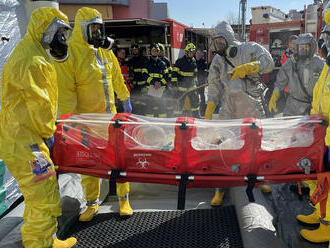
<point x="211" y="228"/>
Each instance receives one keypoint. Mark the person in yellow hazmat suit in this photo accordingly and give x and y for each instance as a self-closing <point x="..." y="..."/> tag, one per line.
<point x="27" y="124"/>
<point x="234" y="79"/>
<point x="87" y="82"/>
<point x="321" y="105"/>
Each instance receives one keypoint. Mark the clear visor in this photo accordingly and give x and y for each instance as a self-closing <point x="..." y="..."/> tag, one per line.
<point x="87" y="26"/>
<point x="304" y="50"/>
<point x="54" y="27"/>
<point x="219" y="44"/>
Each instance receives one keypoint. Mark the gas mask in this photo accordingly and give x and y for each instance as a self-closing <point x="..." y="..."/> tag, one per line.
<point x="54" y="39"/>
<point x="58" y="47"/>
<point x="324" y="44"/>
<point x="96" y="34"/>
<point x="220" y="46"/>
<point x="303" y="51"/>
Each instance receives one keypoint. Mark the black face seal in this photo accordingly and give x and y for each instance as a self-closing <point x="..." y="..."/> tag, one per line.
<point x="58" y="48"/>
<point x="55" y="38"/>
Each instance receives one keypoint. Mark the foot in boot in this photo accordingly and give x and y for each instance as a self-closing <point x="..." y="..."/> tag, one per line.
<point x="89" y="213"/>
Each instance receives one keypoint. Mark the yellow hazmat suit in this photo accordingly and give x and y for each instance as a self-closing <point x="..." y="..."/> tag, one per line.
<point x="87" y="82"/>
<point x="320" y="105"/>
<point x="28" y="114"/>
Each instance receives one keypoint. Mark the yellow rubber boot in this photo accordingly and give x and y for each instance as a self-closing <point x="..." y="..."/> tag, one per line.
<point x="89" y="213"/>
<point x="313" y="218"/>
<point x="209" y="110"/>
<point x="265" y="188"/>
<point x="64" y="243"/>
<point x="320" y="235"/>
<point x="187" y="105"/>
<point x="125" y="208"/>
<point x="217" y="198"/>
<point x="122" y="193"/>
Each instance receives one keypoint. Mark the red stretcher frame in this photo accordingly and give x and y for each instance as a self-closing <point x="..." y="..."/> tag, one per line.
<point x="116" y="158"/>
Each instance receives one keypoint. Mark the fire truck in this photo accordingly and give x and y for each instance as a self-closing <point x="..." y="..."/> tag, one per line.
<point x="272" y="28"/>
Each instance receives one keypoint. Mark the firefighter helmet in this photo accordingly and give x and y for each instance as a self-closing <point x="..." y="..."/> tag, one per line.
<point x="134" y="45"/>
<point x="190" y="48"/>
<point x="154" y="45"/>
<point x="161" y="47"/>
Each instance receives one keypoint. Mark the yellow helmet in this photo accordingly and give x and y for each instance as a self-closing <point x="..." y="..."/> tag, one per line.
<point x="190" y="48"/>
<point x="161" y="47"/>
<point x="326" y="14"/>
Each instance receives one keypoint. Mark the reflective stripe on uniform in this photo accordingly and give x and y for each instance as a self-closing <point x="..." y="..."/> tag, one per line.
<point x="104" y="79"/>
<point x="141" y="82"/>
<point x="163" y="81"/>
<point x="186" y="74"/>
<point x="156" y="75"/>
<point x="185" y="89"/>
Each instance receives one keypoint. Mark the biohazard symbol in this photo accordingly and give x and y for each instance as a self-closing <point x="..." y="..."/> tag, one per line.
<point x="143" y="163"/>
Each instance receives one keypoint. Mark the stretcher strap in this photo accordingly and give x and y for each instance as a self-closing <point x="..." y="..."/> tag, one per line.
<point x="182" y="191"/>
<point x="320" y="194"/>
<point x="115" y="173"/>
<point x="251" y="181"/>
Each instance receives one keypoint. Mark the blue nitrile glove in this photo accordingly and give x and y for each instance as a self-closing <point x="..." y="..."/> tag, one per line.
<point x="127" y="106"/>
<point x="49" y="142"/>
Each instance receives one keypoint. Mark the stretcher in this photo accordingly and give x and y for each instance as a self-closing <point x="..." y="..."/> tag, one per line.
<point x="191" y="152"/>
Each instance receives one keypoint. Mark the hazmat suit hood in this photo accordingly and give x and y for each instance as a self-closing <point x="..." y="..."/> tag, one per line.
<point x="223" y="29"/>
<point x="307" y="39"/>
<point x="83" y="16"/>
<point x="41" y="18"/>
<point x="88" y="79"/>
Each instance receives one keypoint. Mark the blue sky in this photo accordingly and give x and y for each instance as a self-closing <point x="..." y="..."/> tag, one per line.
<point x="209" y="12"/>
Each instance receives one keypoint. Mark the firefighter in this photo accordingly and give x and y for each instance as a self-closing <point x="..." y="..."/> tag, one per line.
<point x="87" y="82"/>
<point x="162" y="56"/>
<point x="300" y="73"/>
<point x="320" y="105"/>
<point x="290" y="50"/>
<point x="136" y="66"/>
<point x="137" y="70"/>
<point x="234" y="79"/>
<point x="27" y="123"/>
<point x="122" y="60"/>
<point x="169" y="94"/>
<point x="155" y="75"/>
<point x="184" y="78"/>
<point x="202" y="78"/>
